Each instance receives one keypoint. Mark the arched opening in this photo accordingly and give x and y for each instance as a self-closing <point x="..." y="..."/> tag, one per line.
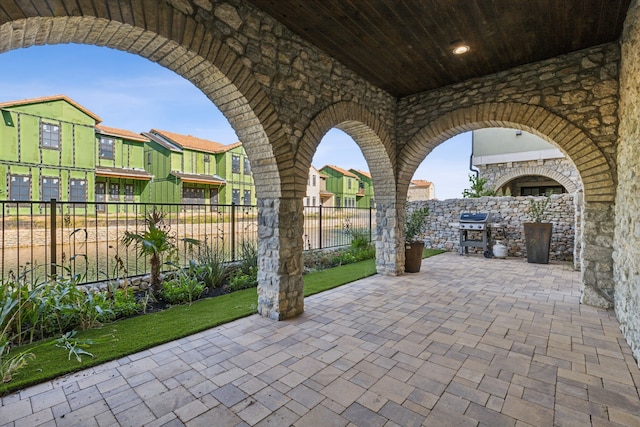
<point x="339" y="204"/>
<point x="517" y="163"/>
<point x="594" y="170"/>
<point x="374" y="142"/>
<point x="214" y="68"/>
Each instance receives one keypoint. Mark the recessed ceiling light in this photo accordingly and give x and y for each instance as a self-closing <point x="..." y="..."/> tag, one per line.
<point x="460" y="48"/>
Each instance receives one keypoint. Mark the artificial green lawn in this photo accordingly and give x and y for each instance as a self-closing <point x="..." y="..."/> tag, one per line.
<point x="127" y="336"/>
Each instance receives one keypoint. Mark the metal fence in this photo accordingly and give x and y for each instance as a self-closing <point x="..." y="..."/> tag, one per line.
<point x="44" y="239"/>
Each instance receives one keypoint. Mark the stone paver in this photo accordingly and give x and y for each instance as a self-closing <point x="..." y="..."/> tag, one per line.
<point x="467" y="341"/>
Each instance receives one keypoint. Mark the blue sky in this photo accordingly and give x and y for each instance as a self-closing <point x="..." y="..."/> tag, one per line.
<point x="133" y="93"/>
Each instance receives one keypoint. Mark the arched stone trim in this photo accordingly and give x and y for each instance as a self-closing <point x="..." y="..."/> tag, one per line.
<point x="537" y="170"/>
<point x="208" y="63"/>
<point x="368" y="132"/>
<point x="376" y="144"/>
<point x="595" y="172"/>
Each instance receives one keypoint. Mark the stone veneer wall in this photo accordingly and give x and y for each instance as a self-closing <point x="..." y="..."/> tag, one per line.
<point x="626" y="256"/>
<point x="507" y="215"/>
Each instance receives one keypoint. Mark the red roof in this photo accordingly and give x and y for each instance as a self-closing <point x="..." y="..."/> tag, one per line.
<point x="123" y="173"/>
<point x="127" y="134"/>
<point x="421" y="183"/>
<point x="363" y="173"/>
<point x="340" y="170"/>
<point x="194" y="143"/>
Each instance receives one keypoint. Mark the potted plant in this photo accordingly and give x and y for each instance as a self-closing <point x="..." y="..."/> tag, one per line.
<point x="413" y="234"/>
<point x="537" y="234"/>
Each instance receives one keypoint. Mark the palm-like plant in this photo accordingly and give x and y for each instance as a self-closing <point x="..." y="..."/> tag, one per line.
<point x="154" y="242"/>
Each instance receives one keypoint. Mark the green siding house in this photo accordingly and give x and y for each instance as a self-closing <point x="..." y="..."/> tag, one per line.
<point x="119" y="170"/>
<point x="48" y="149"/>
<point x="53" y="148"/>
<point x="364" y="196"/>
<point x="192" y="170"/>
<point x="343" y="184"/>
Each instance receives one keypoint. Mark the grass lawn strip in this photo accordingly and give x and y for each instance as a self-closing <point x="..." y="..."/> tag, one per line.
<point x="128" y="336"/>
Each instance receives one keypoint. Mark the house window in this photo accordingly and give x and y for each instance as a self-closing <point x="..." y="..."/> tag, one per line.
<point x="206" y="158"/>
<point x="107" y="148"/>
<point x="149" y="157"/>
<point x="50" y="188"/>
<point x="338" y="201"/>
<point x="114" y="191"/>
<point x="349" y="183"/>
<point x="193" y="195"/>
<point x="49" y="135"/>
<point x="235" y="197"/>
<point x="314" y="200"/>
<point x="235" y="163"/>
<point x="247" y="197"/>
<point x="128" y="192"/>
<point x="77" y="190"/>
<point x="19" y="188"/>
<point x="313" y="180"/>
<point x="247" y="166"/>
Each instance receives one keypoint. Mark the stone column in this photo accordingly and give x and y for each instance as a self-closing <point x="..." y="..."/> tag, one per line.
<point x="578" y="204"/>
<point x="389" y="244"/>
<point x="598" y="224"/>
<point x="280" y="264"/>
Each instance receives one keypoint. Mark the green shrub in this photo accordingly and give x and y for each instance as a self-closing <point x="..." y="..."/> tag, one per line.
<point x="244" y="280"/>
<point x="360" y="239"/>
<point x="182" y="289"/>
<point x="63" y="306"/>
<point x="248" y="256"/>
<point x="322" y="259"/>
<point x="210" y="266"/>
<point x="124" y="304"/>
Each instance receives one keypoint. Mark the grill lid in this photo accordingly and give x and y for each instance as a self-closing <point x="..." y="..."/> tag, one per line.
<point x="474" y="217"/>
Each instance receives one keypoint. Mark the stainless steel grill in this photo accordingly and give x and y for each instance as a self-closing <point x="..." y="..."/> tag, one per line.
<point x="475" y="232"/>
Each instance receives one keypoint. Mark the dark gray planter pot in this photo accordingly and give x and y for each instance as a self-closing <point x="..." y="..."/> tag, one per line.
<point x="413" y="256"/>
<point x="537" y="236"/>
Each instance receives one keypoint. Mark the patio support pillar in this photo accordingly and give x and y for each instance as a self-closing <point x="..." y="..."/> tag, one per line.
<point x="389" y="241"/>
<point x="280" y="244"/>
<point x="597" y="254"/>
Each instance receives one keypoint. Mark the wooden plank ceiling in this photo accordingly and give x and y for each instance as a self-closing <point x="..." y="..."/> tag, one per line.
<point x="404" y="46"/>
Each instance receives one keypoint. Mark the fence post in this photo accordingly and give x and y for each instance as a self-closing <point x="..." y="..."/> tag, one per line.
<point x="320" y="228"/>
<point x="54" y="240"/>
<point x="233" y="232"/>
<point x="370" y="223"/>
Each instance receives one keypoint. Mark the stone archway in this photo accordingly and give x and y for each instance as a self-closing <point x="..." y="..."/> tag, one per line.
<point x="563" y="180"/>
<point x="194" y="53"/>
<point x="376" y="144"/>
<point x="596" y="174"/>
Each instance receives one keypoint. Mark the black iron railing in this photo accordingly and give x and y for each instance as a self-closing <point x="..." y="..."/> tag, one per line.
<point x="45" y="239"/>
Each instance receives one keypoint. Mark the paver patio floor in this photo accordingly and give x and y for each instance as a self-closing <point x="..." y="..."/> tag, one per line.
<point x="467" y="341"/>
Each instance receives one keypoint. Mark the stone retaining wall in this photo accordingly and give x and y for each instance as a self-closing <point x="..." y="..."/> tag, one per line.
<point x="507" y="214"/>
